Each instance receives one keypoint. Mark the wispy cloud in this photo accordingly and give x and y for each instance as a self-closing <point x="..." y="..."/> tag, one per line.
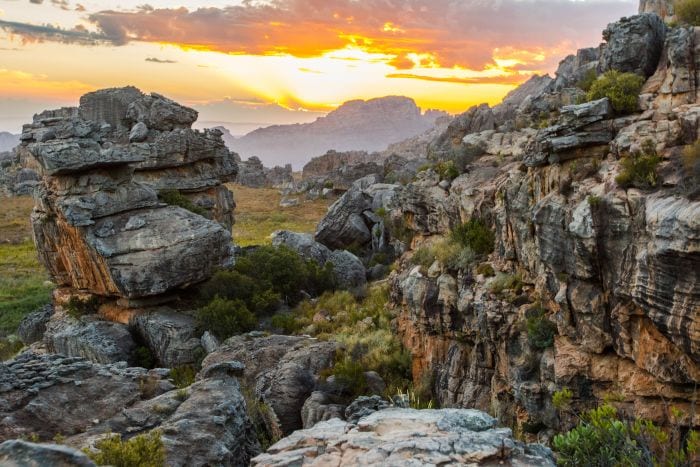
<point x="47" y="32"/>
<point x="158" y="60"/>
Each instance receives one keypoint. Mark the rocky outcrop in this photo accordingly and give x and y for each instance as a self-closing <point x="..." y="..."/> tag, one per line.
<point x="33" y="326"/>
<point x="354" y="126"/>
<point x="634" y="44"/>
<point x="609" y="272"/>
<point x="45" y="395"/>
<point x="253" y="174"/>
<point x="15" y="178"/>
<point x="98" y="223"/>
<point x="8" y="141"/>
<point x="22" y="453"/>
<point x="663" y="8"/>
<point x="447" y="437"/>
<point x="280" y="371"/>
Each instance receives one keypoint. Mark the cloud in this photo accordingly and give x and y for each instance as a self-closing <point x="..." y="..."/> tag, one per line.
<point x="42" y="33"/>
<point x="413" y="33"/>
<point x="158" y="60"/>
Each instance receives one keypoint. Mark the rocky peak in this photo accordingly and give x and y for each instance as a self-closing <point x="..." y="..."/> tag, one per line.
<point x="663" y="8"/>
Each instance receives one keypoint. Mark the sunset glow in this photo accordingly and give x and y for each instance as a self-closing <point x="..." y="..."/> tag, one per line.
<point x="304" y="56"/>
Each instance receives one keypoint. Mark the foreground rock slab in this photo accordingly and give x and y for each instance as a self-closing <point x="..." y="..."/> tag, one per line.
<point x="447" y="437"/>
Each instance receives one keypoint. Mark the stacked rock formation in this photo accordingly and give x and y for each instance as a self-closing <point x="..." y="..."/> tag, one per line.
<point x="99" y="226"/>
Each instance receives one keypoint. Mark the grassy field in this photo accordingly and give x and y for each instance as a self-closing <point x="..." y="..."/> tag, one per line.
<point x="258" y="214"/>
<point x="23" y="286"/>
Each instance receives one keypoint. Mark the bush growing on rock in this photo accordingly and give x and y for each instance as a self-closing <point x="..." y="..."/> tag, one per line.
<point x="540" y="330"/>
<point x="604" y="438"/>
<point x="77" y="307"/>
<point x="183" y="376"/>
<point x="226" y="318"/>
<point x="587" y="80"/>
<point x="476" y="235"/>
<point x="691" y="168"/>
<point x="688" y="11"/>
<point x="175" y="198"/>
<point x="233" y="285"/>
<point x="621" y="88"/>
<point x="639" y="168"/>
<point x="143" y="451"/>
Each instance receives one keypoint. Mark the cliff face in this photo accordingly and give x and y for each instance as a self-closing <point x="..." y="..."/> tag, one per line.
<point x="356" y="125"/>
<point x="614" y="270"/>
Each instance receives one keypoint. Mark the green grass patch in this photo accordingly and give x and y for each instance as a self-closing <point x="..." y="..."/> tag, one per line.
<point x="23" y="286"/>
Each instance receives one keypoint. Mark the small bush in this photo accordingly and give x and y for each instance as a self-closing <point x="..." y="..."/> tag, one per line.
<point x="183" y="376"/>
<point x="286" y="322"/>
<point x="688" y="11"/>
<point x="587" y="80"/>
<point x="540" y="330"/>
<point x="504" y="282"/>
<point x="350" y="375"/>
<point x="143" y="451"/>
<point x="424" y="257"/>
<point x="603" y="438"/>
<point x="594" y="201"/>
<point x="77" y="307"/>
<point x="447" y="170"/>
<point x="226" y="318"/>
<point x="562" y="399"/>
<point x="143" y="357"/>
<point x="475" y="235"/>
<point x="175" y="198"/>
<point x="621" y="88"/>
<point x="486" y="270"/>
<point x="328" y="184"/>
<point x="639" y="168"/>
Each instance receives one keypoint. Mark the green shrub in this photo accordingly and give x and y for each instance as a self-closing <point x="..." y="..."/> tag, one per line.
<point x="286" y="322"/>
<point x="621" y="88"/>
<point x="486" y="270"/>
<point x="540" y="330"/>
<point x="262" y="418"/>
<point x="639" y="168"/>
<point x="594" y="201"/>
<point x="226" y="318"/>
<point x="143" y="451"/>
<point x="603" y="438"/>
<point x="77" y="307"/>
<point x="688" y="11"/>
<point x="175" y="198"/>
<point x="350" y="376"/>
<point x="447" y="170"/>
<point x="423" y="257"/>
<point x="475" y="235"/>
<point x="328" y="184"/>
<point x="562" y="399"/>
<point x="587" y="80"/>
<point x="183" y="376"/>
<point x="143" y="357"/>
<point x="504" y="282"/>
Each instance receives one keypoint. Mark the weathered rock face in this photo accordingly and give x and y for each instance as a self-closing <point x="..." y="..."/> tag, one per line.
<point x="447" y="437"/>
<point x="634" y="44"/>
<point x="281" y="371"/>
<point x="98" y="224"/>
<point x="21" y="453"/>
<point x="613" y="270"/>
<point x="663" y="8"/>
<point x="83" y="401"/>
<point x="339" y="170"/>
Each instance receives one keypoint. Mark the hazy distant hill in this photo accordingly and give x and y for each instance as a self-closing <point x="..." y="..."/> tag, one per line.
<point x="356" y="125"/>
<point x="8" y="141"/>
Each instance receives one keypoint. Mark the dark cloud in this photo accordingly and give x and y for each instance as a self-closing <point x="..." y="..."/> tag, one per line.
<point x="158" y="60"/>
<point x="42" y="33"/>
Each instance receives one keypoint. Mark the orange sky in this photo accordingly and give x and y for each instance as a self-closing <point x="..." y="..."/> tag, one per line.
<point x="259" y="62"/>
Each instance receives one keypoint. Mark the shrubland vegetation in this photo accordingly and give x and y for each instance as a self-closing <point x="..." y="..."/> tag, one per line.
<point x="687" y="11"/>
<point x="606" y="437"/>
<point x="175" y="198"/>
<point x="144" y="451"/>
<point x="691" y="168"/>
<point x="234" y="300"/>
<point x="621" y="88"/>
<point x="638" y="169"/>
<point x="363" y="327"/>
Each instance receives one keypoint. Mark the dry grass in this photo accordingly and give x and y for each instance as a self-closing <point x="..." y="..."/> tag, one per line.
<point x="14" y="219"/>
<point x="258" y="214"/>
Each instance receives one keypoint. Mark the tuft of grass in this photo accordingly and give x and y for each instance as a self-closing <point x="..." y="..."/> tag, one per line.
<point x="143" y="451"/>
<point x="258" y="214"/>
<point x="183" y="376"/>
<point x="175" y="198"/>
<point x="476" y="235"/>
<point x="639" y="168"/>
<point x="503" y="282"/>
<point x="688" y="11"/>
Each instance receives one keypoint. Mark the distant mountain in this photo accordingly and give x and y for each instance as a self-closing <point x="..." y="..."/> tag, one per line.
<point x="8" y="141"/>
<point x="354" y="126"/>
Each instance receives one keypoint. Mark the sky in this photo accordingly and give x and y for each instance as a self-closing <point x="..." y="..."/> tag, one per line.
<point x="251" y="63"/>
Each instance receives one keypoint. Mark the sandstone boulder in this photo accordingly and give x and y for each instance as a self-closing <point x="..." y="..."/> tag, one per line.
<point x="634" y="44"/>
